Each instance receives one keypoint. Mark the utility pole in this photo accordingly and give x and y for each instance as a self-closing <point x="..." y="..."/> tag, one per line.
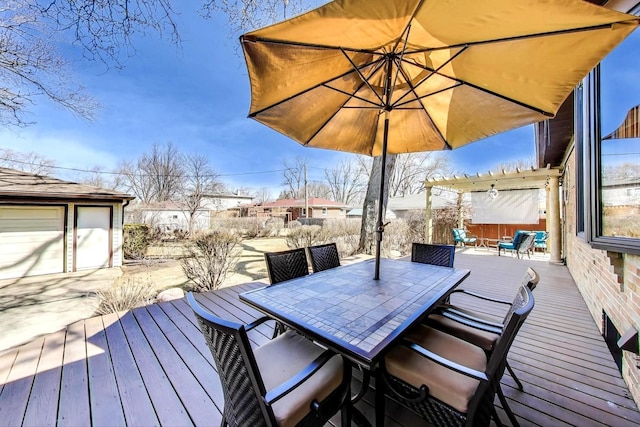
<point x="306" y="193"/>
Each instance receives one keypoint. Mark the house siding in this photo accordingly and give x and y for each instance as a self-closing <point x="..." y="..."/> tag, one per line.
<point x="604" y="287"/>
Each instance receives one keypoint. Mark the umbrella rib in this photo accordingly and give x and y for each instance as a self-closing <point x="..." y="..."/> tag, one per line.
<point x="329" y="119"/>
<point x="436" y="71"/>
<point x="252" y="39"/>
<point x="364" y="79"/>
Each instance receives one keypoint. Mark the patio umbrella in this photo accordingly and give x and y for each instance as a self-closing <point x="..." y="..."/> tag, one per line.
<point x="398" y="76"/>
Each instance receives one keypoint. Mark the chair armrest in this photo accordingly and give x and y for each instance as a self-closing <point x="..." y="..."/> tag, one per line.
<point x="449" y="364"/>
<point x="291" y="384"/>
<point x="257" y="322"/>
<point x="484" y="297"/>
<point x="473" y="322"/>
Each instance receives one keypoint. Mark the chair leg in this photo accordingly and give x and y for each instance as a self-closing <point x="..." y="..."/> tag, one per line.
<point x="507" y="409"/>
<point x="496" y="418"/>
<point x="513" y="375"/>
<point x="380" y="399"/>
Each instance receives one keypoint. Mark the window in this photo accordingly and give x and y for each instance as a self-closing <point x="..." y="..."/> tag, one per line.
<point x="611" y="149"/>
<point x="324" y="211"/>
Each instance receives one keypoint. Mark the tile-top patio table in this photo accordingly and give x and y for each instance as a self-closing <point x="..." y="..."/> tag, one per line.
<point x="349" y="312"/>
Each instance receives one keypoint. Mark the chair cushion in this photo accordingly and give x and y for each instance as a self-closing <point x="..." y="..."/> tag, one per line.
<point x="483" y="339"/>
<point x="451" y="387"/>
<point x="281" y="359"/>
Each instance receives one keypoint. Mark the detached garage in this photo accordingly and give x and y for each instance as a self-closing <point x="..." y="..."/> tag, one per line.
<point x="52" y="226"/>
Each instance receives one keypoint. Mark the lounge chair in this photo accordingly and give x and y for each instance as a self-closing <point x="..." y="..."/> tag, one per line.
<point x="461" y="236"/>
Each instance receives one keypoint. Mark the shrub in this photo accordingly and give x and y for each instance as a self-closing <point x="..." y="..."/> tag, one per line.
<point x="125" y="294"/>
<point x="135" y="241"/>
<point x="345" y="234"/>
<point x="209" y="258"/>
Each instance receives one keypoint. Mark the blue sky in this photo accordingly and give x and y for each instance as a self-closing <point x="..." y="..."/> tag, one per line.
<point x="197" y="97"/>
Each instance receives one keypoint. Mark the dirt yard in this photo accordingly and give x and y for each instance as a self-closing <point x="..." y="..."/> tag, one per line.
<point x="168" y="273"/>
<point x="251" y="267"/>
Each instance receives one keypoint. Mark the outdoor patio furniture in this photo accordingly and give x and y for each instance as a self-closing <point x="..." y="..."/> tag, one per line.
<point x="325" y="304"/>
<point x="286" y="265"/>
<point x="461" y="236"/>
<point x="433" y="254"/>
<point x="324" y="257"/>
<point x="287" y="381"/>
<point x="541" y="241"/>
<point x="477" y="328"/>
<point x="283" y="266"/>
<point x="514" y="243"/>
<point x="446" y="380"/>
<point x="526" y="246"/>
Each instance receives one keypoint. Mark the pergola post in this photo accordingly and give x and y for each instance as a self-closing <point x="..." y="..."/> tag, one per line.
<point x="460" y="213"/>
<point x="553" y="219"/>
<point x="428" y="217"/>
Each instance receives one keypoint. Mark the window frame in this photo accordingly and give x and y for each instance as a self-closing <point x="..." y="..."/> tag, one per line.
<point x="592" y="174"/>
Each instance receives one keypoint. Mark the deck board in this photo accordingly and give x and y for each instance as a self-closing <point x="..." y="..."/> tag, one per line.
<point x="151" y="366"/>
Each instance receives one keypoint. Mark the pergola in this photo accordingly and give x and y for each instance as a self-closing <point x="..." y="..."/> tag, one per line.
<point x="548" y="178"/>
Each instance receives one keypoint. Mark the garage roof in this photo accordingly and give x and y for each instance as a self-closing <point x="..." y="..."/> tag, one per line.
<point x="15" y="184"/>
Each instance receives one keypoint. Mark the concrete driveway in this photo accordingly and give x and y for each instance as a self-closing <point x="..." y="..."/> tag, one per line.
<point x="33" y="306"/>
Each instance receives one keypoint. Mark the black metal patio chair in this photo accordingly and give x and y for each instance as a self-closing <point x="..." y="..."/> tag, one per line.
<point x="446" y="380"/>
<point x="441" y="255"/>
<point x="289" y="381"/>
<point x="478" y="329"/>
<point x="324" y="257"/>
<point x="285" y="265"/>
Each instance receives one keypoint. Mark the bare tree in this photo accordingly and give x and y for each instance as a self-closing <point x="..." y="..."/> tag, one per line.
<point x="293" y="177"/>
<point x="28" y="162"/>
<point x="412" y="169"/>
<point x="157" y="176"/>
<point x="199" y="180"/>
<point x="347" y="181"/>
<point x="521" y="164"/>
<point x="262" y="195"/>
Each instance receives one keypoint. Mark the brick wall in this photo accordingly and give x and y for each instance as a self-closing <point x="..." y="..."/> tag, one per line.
<point x="602" y="289"/>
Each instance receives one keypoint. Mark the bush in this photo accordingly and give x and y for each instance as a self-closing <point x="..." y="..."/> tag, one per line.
<point x="210" y="257"/>
<point x="345" y="234"/>
<point x="125" y="294"/>
<point x="135" y="241"/>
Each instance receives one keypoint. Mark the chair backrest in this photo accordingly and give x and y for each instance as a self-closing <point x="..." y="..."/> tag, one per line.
<point x="241" y="381"/>
<point x="517" y="237"/>
<point x="324" y="257"/>
<point x="459" y="234"/>
<point x="531" y="279"/>
<point x="286" y="265"/>
<point x="526" y="243"/>
<point x="433" y="254"/>
<point x="541" y="236"/>
<point x="520" y="309"/>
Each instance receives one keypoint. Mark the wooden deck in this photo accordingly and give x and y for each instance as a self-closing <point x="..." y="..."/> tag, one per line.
<point x="151" y="366"/>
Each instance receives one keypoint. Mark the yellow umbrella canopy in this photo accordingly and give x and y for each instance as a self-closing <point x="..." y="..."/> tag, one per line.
<point x="398" y="76"/>
<point x="447" y="72"/>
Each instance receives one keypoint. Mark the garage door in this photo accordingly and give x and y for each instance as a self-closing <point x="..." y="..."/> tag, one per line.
<point x="93" y="249"/>
<point x="31" y="240"/>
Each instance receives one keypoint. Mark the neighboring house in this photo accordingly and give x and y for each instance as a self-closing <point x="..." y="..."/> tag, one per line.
<point x="604" y="264"/>
<point x="226" y="202"/>
<point x="622" y="194"/>
<point x="403" y="206"/>
<point x="357" y="213"/>
<point x="292" y="209"/>
<point x="167" y="217"/>
<point x="48" y="225"/>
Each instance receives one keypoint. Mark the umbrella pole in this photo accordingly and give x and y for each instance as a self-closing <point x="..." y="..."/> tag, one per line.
<point x="379" y="224"/>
